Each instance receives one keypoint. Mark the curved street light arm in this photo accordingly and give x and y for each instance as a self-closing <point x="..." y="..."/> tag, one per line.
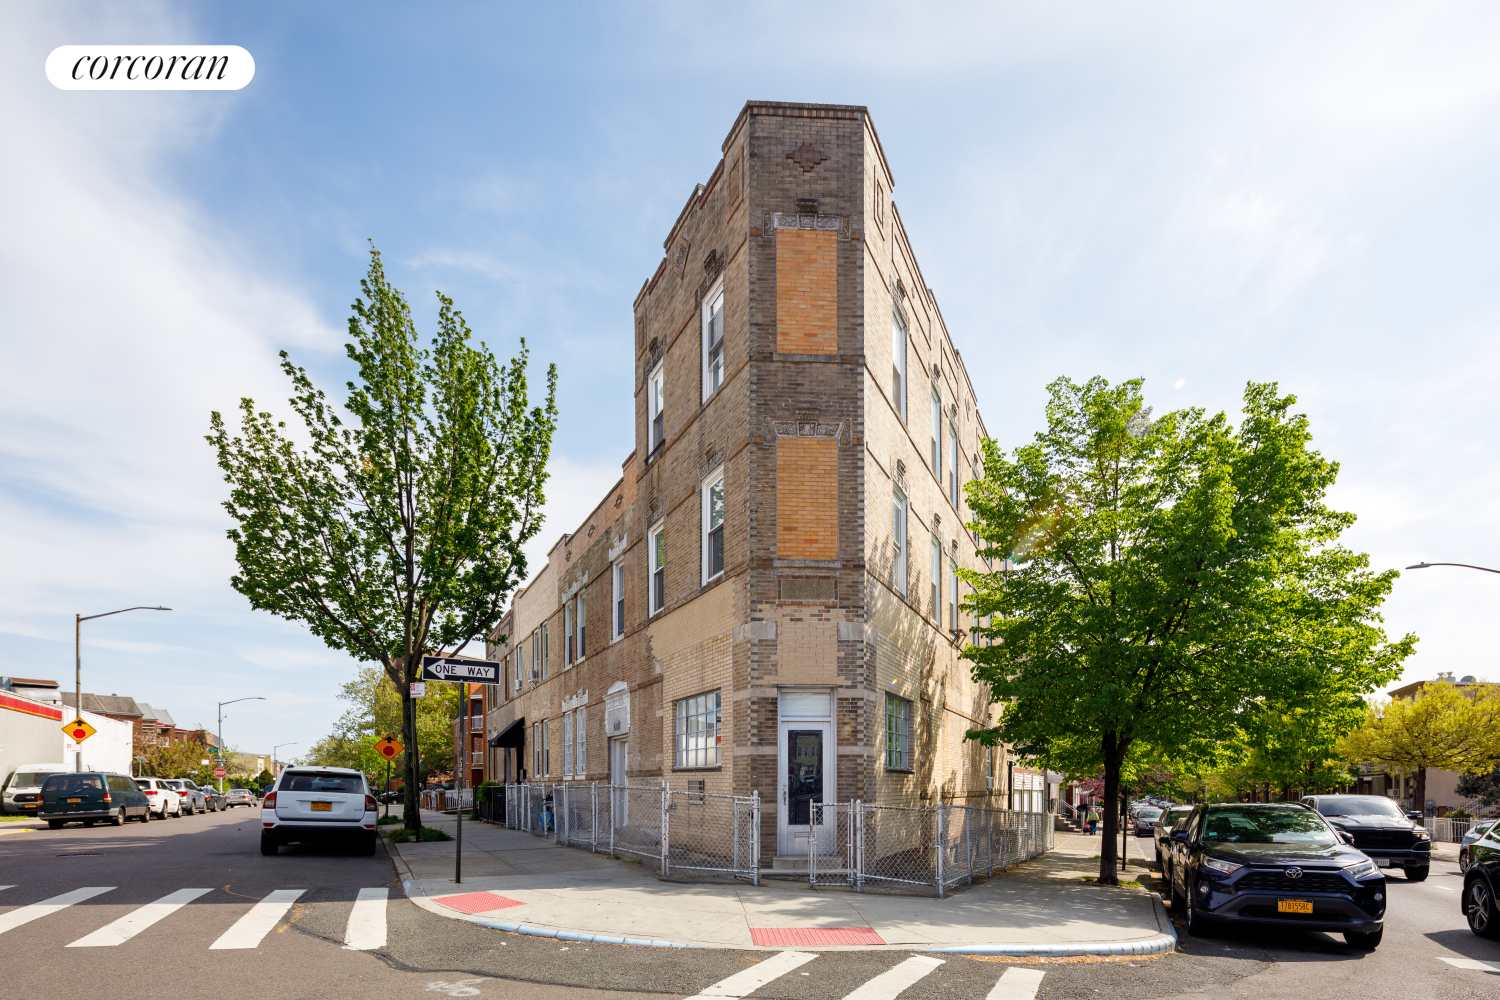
<point x="1425" y="565"/>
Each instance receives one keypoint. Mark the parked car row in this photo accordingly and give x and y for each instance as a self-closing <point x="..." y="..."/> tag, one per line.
<point x="1318" y="864"/>
<point x="91" y="796"/>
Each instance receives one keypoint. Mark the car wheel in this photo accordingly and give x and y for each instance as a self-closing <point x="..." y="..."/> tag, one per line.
<point x="1197" y="925"/>
<point x="1367" y="941"/>
<point x="118" y="819"/>
<point x="54" y="824"/>
<point x="1463" y="862"/>
<point x="1417" y="874"/>
<point x="1175" y="898"/>
<point x="1483" y="920"/>
<point x="146" y="815"/>
<point x="268" y="845"/>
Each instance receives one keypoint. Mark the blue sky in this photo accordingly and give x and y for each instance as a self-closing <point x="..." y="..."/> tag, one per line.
<point x="1197" y="195"/>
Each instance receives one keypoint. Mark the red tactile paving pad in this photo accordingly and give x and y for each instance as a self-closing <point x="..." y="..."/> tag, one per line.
<point x="476" y="902"/>
<point x="794" y="937"/>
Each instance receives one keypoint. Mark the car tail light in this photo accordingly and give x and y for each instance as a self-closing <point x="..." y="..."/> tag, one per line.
<point x="270" y="801"/>
<point x="151" y="791"/>
<point x="369" y="803"/>
<point x="107" y="798"/>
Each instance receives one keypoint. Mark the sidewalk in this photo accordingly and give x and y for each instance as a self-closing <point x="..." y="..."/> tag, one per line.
<point x="514" y="881"/>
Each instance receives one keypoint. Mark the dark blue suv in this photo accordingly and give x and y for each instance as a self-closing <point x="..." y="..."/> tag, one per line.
<point x="1274" y="865"/>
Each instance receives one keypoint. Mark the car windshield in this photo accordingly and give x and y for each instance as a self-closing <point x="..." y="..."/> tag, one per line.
<point x="1150" y="813"/>
<point x="28" y="779"/>
<point x="1360" y="805"/>
<point x="174" y="783"/>
<point x="73" y="783"/>
<point x="1249" y="825"/>
<point x="321" y="783"/>
<point x="1175" y="815"/>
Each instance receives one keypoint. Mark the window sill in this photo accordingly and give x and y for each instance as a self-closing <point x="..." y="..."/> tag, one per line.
<point x="705" y="767"/>
<point x="900" y="770"/>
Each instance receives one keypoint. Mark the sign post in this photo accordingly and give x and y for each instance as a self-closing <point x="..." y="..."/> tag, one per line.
<point x="388" y="747"/>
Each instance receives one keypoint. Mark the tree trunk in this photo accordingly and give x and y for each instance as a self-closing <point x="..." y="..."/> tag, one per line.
<point x="412" y="811"/>
<point x="1114" y="756"/>
<point x="1419" y="791"/>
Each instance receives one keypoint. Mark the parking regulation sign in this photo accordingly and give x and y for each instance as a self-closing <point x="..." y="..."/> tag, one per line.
<point x="457" y="668"/>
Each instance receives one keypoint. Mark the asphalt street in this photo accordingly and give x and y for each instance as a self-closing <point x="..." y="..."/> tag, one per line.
<point x="189" y="908"/>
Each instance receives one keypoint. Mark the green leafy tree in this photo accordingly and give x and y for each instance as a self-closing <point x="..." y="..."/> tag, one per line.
<point x="1171" y="575"/>
<point x="1441" y="727"/>
<point x="399" y="530"/>
<point x="374" y="710"/>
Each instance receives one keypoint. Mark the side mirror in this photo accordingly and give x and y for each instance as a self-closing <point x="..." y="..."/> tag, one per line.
<point x="1414" y="815"/>
<point x="1346" y="837"/>
<point x="1180" y="836"/>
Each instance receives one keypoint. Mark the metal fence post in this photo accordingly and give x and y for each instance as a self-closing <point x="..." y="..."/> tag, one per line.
<point x="938" y="825"/>
<point x="594" y="818"/>
<point x="969" y="843"/>
<point x="989" y="839"/>
<point x="857" y="821"/>
<point x="614" y="796"/>
<point x="755" y="837"/>
<point x="664" y="828"/>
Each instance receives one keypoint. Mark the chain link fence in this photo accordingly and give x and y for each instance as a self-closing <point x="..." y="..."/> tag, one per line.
<point x="858" y="844"/>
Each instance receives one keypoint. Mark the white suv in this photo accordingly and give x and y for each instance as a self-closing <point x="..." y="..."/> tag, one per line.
<point x="161" y="798"/>
<point x="318" y="805"/>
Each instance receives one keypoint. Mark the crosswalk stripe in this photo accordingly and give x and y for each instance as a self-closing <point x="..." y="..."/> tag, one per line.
<point x="248" y="931"/>
<point x="137" y="920"/>
<point x="366" y="927"/>
<point x="1017" y="984"/>
<point x="1472" y="964"/>
<point x="3" y="887"/>
<point x="890" y="983"/>
<point x="742" y="984"/>
<point x="26" y="914"/>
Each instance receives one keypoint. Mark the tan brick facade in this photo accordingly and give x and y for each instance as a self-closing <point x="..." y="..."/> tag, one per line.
<point x="774" y="489"/>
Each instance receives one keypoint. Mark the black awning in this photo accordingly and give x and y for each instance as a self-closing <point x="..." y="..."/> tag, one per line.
<point x="513" y="735"/>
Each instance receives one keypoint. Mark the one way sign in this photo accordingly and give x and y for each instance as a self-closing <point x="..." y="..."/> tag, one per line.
<point x="455" y="668"/>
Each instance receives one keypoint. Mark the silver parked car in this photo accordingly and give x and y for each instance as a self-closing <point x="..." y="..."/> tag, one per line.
<point x="1479" y="829"/>
<point x="193" y="799"/>
<point x="238" y="797"/>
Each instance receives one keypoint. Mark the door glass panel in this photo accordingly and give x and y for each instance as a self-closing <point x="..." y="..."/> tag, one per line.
<point x="804" y="755"/>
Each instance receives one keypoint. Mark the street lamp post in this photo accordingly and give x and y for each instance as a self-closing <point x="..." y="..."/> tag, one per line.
<point x="273" y="757"/>
<point x="1427" y="565"/>
<point x="253" y="697"/>
<point x="78" y="621"/>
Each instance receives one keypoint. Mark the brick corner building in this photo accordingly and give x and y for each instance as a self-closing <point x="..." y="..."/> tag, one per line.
<point x="768" y="598"/>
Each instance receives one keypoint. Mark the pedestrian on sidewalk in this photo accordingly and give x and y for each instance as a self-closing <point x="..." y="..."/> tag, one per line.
<point x="1093" y="818"/>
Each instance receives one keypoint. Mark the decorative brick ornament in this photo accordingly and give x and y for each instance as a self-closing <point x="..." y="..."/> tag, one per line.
<point x="807" y="156"/>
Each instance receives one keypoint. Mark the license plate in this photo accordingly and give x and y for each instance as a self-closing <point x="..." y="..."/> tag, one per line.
<point x="75" y="800"/>
<point x="1384" y="862"/>
<point x="1293" y="906"/>
<point x="322" y="807"/>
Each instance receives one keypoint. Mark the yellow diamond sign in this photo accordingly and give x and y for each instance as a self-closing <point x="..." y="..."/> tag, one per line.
<point x="388" y="747"/>
<point x="78" y="730"/>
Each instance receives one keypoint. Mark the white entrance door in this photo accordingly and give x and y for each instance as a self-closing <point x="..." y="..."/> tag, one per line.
<point x="617" y="777"/>
<point x="806" y="757"/>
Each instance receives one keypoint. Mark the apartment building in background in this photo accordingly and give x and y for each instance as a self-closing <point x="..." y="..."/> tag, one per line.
<point x="768" y="598"/>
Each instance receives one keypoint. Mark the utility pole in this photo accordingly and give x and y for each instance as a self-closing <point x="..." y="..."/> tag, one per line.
<point x="220" y="747"/>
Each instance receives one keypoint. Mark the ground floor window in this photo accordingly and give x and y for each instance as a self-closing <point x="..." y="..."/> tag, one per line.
<point x="698" y="731"/>
<point x="897" y="733"/>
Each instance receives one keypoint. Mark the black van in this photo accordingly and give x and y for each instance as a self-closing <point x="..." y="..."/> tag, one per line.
<point x="90" y="796"/>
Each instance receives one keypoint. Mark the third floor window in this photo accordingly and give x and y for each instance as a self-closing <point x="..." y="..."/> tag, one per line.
<point x="656" y="409"/>
<point x="713" y="341"/>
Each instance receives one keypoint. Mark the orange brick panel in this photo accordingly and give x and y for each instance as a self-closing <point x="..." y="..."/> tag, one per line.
<point x="807" y="500"/>
<point x="807" y="309"/>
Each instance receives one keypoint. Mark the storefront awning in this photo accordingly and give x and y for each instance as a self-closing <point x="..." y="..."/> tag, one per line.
<point x="513" y="735"/>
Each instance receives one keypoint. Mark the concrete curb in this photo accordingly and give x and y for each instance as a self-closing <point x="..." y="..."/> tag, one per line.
<point x="1162" y="944"/>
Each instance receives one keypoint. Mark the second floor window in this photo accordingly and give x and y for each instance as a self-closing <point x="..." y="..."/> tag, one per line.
<point x="953" y="467"/>
<point x="952" y="595"/>
<point x="937" y="436"/>
<point x="936" y="607"/>
<point x="619" y="606"/>
<point x="656" y="409"/>
<point x="898" y="543"/>
<point x="581" y="617"/>
<point x="897" y="733"/>
<point x="898" y="364"/>
<point x="537" y="662"/>
<point x="658" y="553"/>
<point x="570" y="648"/>
<point x="713" y="342"/>
<point x="544" y="659"/>
<point x="713" y="528"/>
